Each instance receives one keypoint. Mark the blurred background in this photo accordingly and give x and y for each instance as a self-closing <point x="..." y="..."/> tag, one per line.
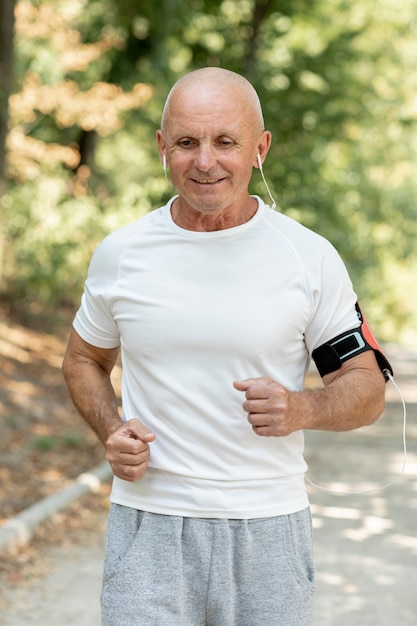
<point x="82" y="85"/>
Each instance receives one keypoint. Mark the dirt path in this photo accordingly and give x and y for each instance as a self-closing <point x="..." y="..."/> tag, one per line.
<point x="56" y="579"/>
<point x="366" y="545"/>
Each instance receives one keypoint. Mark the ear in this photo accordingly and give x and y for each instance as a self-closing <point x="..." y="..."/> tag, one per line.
<point x="262" y="147"/>
<point x="161" y="146"/>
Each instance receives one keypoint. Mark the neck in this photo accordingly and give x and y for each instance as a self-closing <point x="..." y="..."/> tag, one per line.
<point x="189" y="218"/>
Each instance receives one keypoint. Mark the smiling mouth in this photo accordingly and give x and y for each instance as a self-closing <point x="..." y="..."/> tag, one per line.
<point x="210" y="181"/>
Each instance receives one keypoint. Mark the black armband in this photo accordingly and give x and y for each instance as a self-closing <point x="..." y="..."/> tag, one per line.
<point x="330" y="356"/>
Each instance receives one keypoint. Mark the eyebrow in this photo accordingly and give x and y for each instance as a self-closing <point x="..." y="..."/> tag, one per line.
<point x="190" y="135"/>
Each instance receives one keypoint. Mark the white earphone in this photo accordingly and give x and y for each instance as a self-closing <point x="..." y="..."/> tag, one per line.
<point x="258" y="158"/>
<point x="164" y="162"/>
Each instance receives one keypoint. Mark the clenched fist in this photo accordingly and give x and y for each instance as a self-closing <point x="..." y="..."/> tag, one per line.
<point x="127" y="450"/>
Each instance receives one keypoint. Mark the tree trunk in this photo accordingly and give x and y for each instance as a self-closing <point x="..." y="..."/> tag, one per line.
<point x="6" y="74"/>
<point x="261" y="10"/>
<point x="6" y="77"/>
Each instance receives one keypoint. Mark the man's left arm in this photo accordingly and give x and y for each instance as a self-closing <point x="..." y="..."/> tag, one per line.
<point x="352" y="396"/>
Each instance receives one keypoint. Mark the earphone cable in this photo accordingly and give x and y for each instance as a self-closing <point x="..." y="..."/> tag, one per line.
<point x="404" y="448"/>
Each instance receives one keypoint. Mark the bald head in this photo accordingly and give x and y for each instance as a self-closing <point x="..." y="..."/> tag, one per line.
<point x="227" y="84"/>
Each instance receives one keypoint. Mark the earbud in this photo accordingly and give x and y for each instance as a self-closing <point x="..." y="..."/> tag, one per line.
<point x="259" y="161"/>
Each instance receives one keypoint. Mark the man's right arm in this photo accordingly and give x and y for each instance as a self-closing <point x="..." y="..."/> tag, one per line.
<point x="87" y="370"/>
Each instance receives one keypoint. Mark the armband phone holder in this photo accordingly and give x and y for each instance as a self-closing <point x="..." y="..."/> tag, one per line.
<point x="330" y="356"/>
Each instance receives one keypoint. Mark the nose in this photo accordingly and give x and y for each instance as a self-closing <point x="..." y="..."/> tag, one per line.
<point x="205" y="157"/>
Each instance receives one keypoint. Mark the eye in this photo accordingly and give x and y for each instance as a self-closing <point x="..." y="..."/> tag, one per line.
<point x="225" y="142"/>
<point x="186" y="143"/>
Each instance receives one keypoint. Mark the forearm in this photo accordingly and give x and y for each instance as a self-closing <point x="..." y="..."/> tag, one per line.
<point x="353" y="396"/>
<point x="93" y="396"/>
<point x="87" y="372"/>
<point x="349" y="401"/>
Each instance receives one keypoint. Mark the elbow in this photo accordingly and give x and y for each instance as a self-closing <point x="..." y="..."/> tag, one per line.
<point x="377" y="404"/>
<point x="66" y="368"/>
<point x="375" y="414"/>
<point x="379" y="411"/>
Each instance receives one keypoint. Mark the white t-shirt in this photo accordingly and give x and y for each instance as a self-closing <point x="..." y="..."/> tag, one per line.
<point x="194" y="311"/>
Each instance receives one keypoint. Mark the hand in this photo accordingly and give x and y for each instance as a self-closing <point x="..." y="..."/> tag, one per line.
<point x="267" y="405"/>
<point x="128" y="450"/>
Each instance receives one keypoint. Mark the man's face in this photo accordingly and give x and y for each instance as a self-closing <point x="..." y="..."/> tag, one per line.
<point x="211" y="142"/>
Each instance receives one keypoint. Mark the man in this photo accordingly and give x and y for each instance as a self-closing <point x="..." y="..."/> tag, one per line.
<point x="217" y="303"/>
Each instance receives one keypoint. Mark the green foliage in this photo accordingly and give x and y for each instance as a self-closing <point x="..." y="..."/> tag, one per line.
<point x="48" y="242"/>
<point x="47" y="443"/>
<point x="337" y="81"/>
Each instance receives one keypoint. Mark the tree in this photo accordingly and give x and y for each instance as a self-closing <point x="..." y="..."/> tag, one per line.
<point x="6" y="74"/>
<point x="6" y="77"/>
<point x="337" y="83"/>
<point x="60" y="104"/>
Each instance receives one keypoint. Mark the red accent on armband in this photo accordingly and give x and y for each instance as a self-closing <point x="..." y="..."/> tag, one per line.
<point x="369" y="336"/>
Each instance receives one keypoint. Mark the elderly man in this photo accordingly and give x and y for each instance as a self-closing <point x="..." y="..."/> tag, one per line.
<point x="217" y="303"/>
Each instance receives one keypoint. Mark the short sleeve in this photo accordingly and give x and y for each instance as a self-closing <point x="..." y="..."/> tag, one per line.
<point x="333" y="299"/>
<point x="94" y="321"/>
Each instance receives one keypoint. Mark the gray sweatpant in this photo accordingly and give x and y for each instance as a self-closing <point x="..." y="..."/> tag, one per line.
<point x="165" y="570"/>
